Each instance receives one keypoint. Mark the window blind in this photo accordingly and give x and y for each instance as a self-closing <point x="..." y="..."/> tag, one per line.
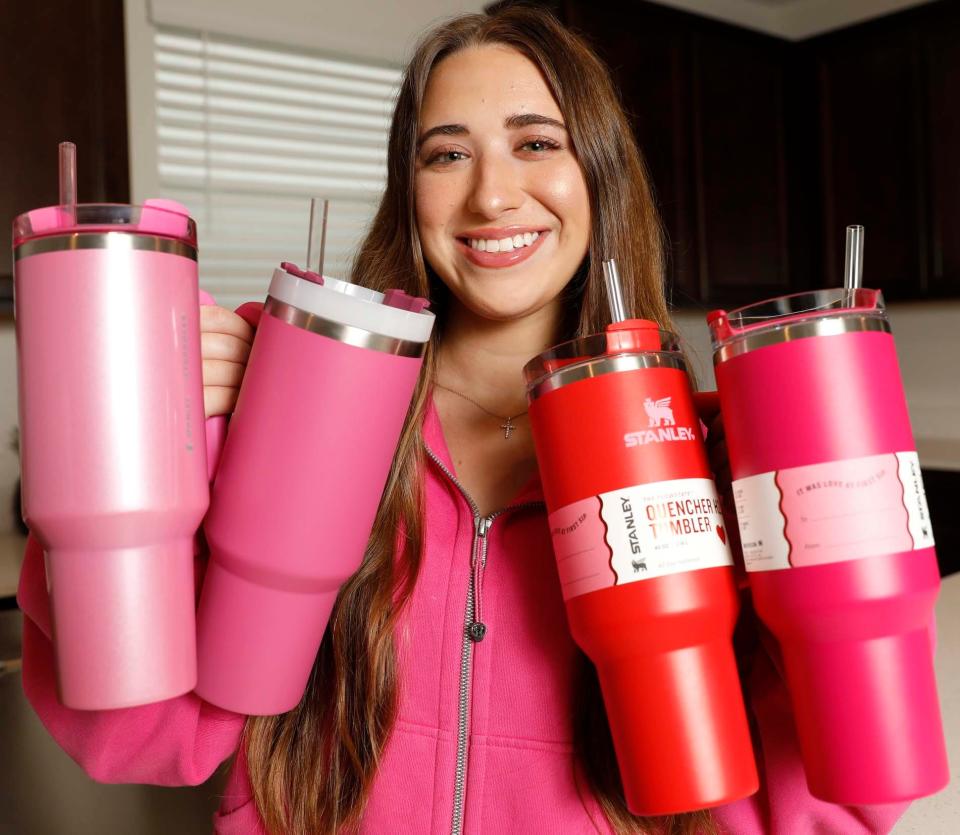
<point x="247" y="134"/>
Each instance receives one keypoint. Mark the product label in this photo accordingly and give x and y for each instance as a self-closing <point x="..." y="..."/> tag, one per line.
<point x="638" y="533"/>
<point x="832" y="512"/>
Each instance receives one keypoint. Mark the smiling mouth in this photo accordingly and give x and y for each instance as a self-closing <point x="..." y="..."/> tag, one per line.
<point x="501" y="252"/>
<point x="508" y="244"/>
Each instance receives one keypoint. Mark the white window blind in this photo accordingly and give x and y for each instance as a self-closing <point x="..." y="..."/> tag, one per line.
<point x="247" y="134"/>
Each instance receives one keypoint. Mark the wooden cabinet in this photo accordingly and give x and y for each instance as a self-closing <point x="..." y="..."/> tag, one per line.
<point x="763" y="150"/>
<point x="740" y="167"/>
<point x="871" y="139"/>
<point x="939" y="48"/>
<point x="649" y="56"/>
<point x="707" y="104"/>
<point x="64" y="78"/>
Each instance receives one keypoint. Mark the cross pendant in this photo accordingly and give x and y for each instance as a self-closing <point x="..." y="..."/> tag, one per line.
<point x="507" y="428"/>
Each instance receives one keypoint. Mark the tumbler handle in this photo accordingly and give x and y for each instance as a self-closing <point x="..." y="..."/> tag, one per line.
<point x="707" y="404"/>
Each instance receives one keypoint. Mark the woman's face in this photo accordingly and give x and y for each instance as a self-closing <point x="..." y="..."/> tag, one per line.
<point x="502" y="205"/>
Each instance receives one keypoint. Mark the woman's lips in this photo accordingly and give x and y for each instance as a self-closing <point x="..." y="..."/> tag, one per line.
<point x="500" y="259"/>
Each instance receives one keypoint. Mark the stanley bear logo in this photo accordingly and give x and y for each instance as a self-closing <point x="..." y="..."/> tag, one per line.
<point x="659" y="411"/>
<point x="662" y="426"/>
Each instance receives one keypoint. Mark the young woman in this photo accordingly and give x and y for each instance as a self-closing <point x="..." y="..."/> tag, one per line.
<point x="512" y="170"/>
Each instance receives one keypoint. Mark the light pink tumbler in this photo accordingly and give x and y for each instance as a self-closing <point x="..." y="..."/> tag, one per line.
<point x="113" y="455"/>
<point x="836" y="535"/>
<point x="309" y="446"/>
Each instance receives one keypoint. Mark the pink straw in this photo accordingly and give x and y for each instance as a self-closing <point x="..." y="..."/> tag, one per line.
<point x="68" y="174"/>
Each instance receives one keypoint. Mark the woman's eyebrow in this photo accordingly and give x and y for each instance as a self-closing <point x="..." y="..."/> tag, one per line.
<point x="523" y="120"/>
<point x="518" y="120"/>
<point x="442" y="130"/>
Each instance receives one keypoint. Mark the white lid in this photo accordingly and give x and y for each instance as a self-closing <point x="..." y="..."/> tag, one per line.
<point x="350" y="304"/>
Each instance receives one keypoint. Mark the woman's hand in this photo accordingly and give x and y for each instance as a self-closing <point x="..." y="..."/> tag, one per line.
<point x="225" y="340"/>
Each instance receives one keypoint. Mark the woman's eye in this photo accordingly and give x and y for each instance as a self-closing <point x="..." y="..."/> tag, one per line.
<point x="446" y="157"/>
<point x="538" y="146"/>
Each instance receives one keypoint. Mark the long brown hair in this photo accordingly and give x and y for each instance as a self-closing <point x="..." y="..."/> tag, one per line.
<point x="312" y="768"/>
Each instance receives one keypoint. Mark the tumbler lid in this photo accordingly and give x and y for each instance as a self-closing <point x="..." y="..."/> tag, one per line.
<point x="817" y="313"/>
<point x="163" y="218"/>
<point x="347" y="311"/>
<point x="623" y="346"/>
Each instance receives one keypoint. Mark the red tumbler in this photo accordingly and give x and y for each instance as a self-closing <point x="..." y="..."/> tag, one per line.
<point x="644" y="563"/>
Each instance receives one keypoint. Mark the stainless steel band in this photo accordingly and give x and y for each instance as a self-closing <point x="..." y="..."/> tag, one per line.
<point x="358" y="337"/>
<point x="825" y="326"/>
<point x="604" y="365"/>
<point x="104" y="240"/>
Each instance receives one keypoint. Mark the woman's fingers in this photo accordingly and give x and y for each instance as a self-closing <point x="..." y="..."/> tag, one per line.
<point x="225" y="340"/>
<point x="222" y="373"/>
<point x="214" y="319"/>
<point x="219" y="400"/>
<point x="222" y="346"/>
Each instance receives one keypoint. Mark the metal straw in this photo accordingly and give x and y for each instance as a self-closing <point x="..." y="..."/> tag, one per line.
<point x="853" y="263"/>
<point x="311" y="235"/>
<point x="611" y="279"/>
<point x="68" y="174"/>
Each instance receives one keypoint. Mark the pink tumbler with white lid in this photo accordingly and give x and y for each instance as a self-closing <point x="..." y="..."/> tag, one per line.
<point x="836" y="535"/>
<point x="113" y="457"/>
<point x="326" y="390"/>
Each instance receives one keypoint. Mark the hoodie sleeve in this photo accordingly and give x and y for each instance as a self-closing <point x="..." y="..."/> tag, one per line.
<point x="174" y="742"/>
<point x="784" y="805"/>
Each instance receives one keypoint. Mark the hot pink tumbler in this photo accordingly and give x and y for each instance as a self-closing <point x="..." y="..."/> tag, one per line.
<point x="325" y="393"/>
<point x="112" y="441"/>
<point x="836" y="535"/>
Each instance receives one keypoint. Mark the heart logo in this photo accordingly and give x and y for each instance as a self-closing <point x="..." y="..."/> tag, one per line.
<point x="722" y="534"/>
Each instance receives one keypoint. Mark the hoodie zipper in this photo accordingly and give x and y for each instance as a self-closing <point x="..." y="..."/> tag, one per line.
<point x="473" y="631"/>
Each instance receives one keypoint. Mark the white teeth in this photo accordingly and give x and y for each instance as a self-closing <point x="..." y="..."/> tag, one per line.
<point x="503" y="244"/>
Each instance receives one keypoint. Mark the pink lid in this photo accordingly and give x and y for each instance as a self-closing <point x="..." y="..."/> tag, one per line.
<point x="123" y="623"/>
<point x="258" y="658"/>
<point x="309" y="275"/>
<point x="398" y="298"/>
<point x="784" y="310"/>
<point x="165" y="218"/>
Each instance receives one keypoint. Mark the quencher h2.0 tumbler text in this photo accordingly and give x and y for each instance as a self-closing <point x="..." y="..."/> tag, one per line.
<point x="836" y="535"/>
<point x="309" y="446"/>
<point x="644" y="563"/>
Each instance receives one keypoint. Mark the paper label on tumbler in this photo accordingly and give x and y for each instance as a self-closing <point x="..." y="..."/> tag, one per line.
<point x="832" y="512"/>
<point x="638" y="533"/>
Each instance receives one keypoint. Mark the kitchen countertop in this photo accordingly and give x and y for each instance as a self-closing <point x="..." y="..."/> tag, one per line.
<point x="939" y="814"/>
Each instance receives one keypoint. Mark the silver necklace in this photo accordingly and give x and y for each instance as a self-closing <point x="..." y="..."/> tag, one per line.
<point x="507" y="426"/>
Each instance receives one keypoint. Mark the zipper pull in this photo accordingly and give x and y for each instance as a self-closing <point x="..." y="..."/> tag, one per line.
<point x="477" y="628"/>
<point x="481" y="526"/>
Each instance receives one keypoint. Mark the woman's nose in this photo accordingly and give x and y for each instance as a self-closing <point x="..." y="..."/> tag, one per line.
<point x="496" y="187"/>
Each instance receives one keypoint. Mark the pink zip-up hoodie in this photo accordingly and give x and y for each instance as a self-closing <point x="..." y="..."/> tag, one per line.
<point x="482" y="743"/>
